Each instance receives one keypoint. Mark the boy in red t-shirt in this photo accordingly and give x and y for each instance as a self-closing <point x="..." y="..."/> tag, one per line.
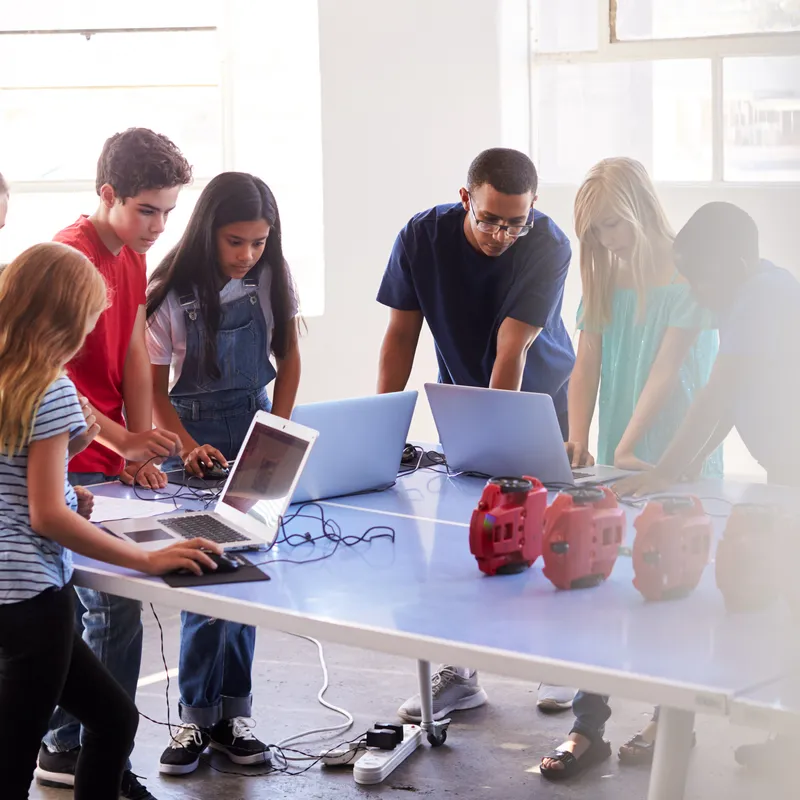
<point x="139" y="176"/>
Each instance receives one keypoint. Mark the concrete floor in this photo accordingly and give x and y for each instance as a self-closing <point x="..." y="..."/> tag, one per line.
<point x="491" y="752"/>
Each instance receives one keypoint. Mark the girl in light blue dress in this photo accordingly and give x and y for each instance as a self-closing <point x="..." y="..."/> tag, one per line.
<point x="647" y="349"/>
<point x="643" y="340"/>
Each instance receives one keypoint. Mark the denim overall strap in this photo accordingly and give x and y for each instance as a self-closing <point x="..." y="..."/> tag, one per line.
<point x="218" y="411"/>
<point x="242" y="350"/>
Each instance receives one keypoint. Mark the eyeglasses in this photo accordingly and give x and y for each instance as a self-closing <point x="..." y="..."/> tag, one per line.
<point x="514" y="231"/>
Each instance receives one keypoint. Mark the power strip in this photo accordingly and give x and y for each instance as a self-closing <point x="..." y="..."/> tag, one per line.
<point x="343" y="756"/>
<point x="371" y="764"/>
<point x="375" y="765"/>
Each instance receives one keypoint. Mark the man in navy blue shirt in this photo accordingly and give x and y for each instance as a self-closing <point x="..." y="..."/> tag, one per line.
<point x="487" y="275"/>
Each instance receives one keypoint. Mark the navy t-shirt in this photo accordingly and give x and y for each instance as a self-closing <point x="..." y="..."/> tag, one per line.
<point x="762" y="330"/>
<point x="465" y="295"/>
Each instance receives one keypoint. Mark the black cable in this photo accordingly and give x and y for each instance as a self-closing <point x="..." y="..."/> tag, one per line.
<point x="640" y="502"/>
<point x="331" y="531"/>
<point x="435" y="458"/>
<point x="184" y="492"/>
<point x="272" y="770"/>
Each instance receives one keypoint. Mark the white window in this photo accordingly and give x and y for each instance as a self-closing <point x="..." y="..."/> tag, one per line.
<point x="698" y="90"/>
<point x="211" y="78"/>
<point x="679" y="19"/>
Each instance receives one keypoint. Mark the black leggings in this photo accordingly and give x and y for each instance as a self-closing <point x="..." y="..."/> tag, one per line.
<point x="44" y="663"/>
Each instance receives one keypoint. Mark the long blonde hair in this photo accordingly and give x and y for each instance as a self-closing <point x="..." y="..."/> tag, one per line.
<point x="47" y="296"/>
<point x="619" y="186"/>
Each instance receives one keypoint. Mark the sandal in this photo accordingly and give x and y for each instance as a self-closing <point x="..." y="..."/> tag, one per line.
<point x="639" y="751"/>
<point x="599" y="750"/>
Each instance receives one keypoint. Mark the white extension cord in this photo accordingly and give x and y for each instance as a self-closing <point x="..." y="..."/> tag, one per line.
<point x="341" y="728"/>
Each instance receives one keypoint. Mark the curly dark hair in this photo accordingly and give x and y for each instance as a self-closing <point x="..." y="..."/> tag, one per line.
<point x="137" y="160"/>
<point x="506" y="170"/>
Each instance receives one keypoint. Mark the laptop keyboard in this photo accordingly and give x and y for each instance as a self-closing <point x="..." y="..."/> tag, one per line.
<point x="578" y="475"/>
<point x="203" y="525"/>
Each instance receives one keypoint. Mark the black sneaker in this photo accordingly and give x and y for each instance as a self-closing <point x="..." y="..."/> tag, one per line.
<point x="184" y="751"/>
<point x="132" y="789"/>
<point x="234" y="737"/>
<point x="56" y="769"/>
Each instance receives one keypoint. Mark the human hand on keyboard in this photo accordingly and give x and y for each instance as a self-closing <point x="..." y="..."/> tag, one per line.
<point x="579" y="455"/>
<point x="187" y="555"/>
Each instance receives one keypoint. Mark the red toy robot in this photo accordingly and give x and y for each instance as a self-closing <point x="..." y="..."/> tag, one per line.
<point x="672" y="546"/>
<point x="583" y="531"/>
<point x="748" y="559"/>
<point x="505" y="532"/>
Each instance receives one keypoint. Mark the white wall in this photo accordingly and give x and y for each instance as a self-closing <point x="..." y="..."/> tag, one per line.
<point x="410" y="94"/>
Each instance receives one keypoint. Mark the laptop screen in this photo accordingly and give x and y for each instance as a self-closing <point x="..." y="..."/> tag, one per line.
<point x="264" y="474"/>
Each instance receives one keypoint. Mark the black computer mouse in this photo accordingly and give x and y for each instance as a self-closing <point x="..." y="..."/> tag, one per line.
<point x="225" y="563"/>
<point x="410" y="454"/>
<point x="216" y="472"/>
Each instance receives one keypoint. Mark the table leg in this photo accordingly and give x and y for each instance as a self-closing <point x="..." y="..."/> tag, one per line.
<point x="436" y="731"/>
<point x="425" y="693"/>
<point x="671" y="758"/>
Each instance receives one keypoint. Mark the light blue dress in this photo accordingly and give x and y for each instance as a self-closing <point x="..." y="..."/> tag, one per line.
<point x="630" y="347"/>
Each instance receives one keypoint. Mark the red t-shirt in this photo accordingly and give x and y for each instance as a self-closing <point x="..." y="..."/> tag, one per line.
<point x="97" y="370"/>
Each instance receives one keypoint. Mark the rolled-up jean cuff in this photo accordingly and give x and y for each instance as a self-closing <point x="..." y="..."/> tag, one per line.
<point x="592" y="734"/>
<point x="208" y="716"/>
<point x="237" y="706"/>
<point x="205" y="717"/>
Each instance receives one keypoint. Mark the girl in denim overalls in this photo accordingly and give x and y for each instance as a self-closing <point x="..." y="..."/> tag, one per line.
<point x="219" y="304"/>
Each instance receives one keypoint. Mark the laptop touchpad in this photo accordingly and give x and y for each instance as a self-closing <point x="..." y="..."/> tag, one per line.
<point x="153" y="535"/>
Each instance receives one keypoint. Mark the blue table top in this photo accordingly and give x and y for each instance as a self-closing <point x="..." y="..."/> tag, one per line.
<point x="423" y="596"/>
<point x="774" y="707"/>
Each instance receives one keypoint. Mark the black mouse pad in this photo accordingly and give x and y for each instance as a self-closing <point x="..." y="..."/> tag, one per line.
<point x="180" y="477"/>
<point x="245" y="574"/>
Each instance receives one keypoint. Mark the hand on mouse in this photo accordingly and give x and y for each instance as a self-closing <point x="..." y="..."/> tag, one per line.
<point x="201" y="456"/>
<point x="186" y="555"/>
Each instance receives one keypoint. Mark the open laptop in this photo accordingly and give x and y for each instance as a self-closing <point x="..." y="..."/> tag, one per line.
<point x="360" y="444"/>
<point x="258" y="489"/>
<point x="497" y="432"/>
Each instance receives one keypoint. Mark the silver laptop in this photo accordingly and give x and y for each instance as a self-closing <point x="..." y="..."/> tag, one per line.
<point x="496" y="432"/>
<point x="360" y="444"/>
<point x="256" y="494"/>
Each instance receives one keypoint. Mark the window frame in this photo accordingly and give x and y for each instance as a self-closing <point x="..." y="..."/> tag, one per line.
<point x="224" y="85"/>
<point x="715" y="49"/>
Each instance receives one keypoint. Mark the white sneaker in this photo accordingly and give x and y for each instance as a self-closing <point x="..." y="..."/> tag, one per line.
<point x="555" y="698"/>
<point x="451" y="692"/>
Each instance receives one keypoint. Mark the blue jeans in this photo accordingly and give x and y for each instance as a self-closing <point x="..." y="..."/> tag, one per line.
<point x="216" y="657"/>
<point x="214" y="672"/>
<point x="591" y="714"/>
<point x="112" y="627"/>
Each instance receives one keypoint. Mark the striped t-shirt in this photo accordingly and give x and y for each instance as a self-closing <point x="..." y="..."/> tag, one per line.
<point x="29" y="563"/>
